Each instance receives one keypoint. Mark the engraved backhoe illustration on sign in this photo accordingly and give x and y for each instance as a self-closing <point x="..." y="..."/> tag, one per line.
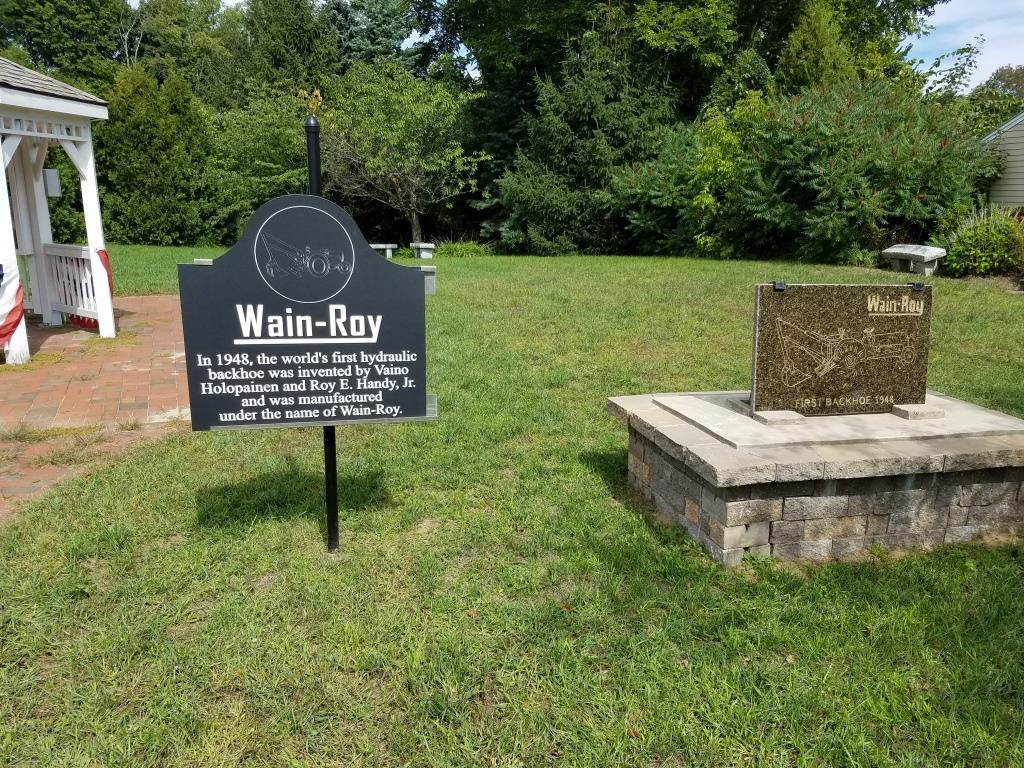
<point x="304" y="254"/>
<point x="834" y="349"/>
<point x="286" y="259"/>
<point x="812" y="353"/>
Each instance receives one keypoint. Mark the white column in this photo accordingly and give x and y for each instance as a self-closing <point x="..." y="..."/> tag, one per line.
<point x="17" y="347"/>
<point x="94" y="235"/>
<point x="25" y="201"/>
<point x="39" y="216"/>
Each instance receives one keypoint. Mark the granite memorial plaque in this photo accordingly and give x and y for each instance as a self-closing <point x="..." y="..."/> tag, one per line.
<point x="301" y="323"/>
<point x="840" y="349"/>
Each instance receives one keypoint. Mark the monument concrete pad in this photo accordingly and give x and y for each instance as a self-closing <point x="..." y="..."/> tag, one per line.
<point x="778" y="418"/>
<point x="917" y="411"/>
<point x="946" y="417"/>
<point x="828" y="486"/>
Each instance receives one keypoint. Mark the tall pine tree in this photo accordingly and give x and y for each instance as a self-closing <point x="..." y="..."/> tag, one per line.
<point x="289" y="44"/>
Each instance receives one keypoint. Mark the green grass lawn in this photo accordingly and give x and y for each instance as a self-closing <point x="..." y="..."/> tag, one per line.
<point x="143" y="269"/>
<point x="499" y="598"/>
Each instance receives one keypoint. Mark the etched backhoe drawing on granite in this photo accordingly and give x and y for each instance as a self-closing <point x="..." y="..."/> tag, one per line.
<point x="811" y="353"/>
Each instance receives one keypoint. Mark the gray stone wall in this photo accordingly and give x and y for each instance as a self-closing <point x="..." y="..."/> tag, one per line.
<point x="822" y="519"/>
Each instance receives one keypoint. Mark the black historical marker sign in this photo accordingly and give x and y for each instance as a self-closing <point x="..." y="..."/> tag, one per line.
<point x="838" y="349"/>
<point x="301" y="323"/>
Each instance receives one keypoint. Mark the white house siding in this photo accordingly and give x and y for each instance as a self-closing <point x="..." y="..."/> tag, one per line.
<point x="1009" y="188"/>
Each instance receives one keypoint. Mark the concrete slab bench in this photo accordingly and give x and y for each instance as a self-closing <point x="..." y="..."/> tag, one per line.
<point x="922" y="259"/>
<point x="388" y="248"/>
<point x="422" y="250"/>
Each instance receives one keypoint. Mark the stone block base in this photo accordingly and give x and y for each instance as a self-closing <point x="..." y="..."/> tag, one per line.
<point x="737" y="503"/>
<point x="823" y="519"/>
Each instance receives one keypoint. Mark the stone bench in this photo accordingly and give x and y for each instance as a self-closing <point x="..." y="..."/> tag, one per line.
<point x="922" y="259"/>
<point x="422" y="250"/>
<point x="388" y="248"/>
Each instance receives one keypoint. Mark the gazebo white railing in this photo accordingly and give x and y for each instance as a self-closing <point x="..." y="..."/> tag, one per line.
<point x="36" y="113"/>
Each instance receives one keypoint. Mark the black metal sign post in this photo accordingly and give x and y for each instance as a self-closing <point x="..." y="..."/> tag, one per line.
<point x="301" y="324"/>
<point x="330" y="444"/>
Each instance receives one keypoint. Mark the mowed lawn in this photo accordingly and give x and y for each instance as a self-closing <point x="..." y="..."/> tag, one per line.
<point x="499" y="598"/>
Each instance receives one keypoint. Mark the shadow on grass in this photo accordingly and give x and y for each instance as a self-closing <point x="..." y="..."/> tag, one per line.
<point x="611" y="467"/>
<point x="284" y="494"/>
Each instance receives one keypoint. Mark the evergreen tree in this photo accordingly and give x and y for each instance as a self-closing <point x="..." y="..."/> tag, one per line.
<point x="606" y="113"/>
<point x="370" y="29"/>
<point x="289" y="44"/>
<point x="151" y="155"/>
<point x="199" y="39"/>
<point x="815" y="52"/>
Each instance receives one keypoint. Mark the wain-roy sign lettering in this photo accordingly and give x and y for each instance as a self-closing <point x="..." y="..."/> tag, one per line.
<point x="301" y="323"/>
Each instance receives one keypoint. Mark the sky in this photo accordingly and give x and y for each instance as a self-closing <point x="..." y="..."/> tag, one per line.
<point x="959" y="21"/>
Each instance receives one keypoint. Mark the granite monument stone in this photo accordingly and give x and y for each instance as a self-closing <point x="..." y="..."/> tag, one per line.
<point x="840" y="349"/>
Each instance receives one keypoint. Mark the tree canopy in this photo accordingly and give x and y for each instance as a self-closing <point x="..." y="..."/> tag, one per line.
<point x="642" y="125"/>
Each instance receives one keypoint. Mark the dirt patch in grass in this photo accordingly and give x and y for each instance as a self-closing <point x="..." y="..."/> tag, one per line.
<point x="78" y="451"/>
<point x="98" y="572"/>
<point x="264" y="582"/>
<point x="26" y="434"/>
<point x="426" y="526"/>
<point x="170" y="542"/>
<point x="196" y="617"/>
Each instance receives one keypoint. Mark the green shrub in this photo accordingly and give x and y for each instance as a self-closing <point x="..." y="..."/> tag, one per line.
<point x="151" y="155"/>
<point x="989" y="241"/>
<point x="257" y="153"/>
<point x="672" y="202"/>
<point x="837" y="170"/>
<point x="461" y="248"/>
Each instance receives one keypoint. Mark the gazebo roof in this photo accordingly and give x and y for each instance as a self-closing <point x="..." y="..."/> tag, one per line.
<point x="24" y="88"/>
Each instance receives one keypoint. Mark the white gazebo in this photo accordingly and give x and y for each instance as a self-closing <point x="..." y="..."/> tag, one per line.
<point x="55" y="281"/>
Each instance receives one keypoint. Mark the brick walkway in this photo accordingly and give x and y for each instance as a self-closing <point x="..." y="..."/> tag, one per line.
<point x="82" y="398"/>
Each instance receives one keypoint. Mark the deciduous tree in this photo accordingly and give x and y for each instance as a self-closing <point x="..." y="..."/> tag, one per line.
<point x="75" y="39"/>
<point x="997" y="99"/>
<point x="397" y="140"/>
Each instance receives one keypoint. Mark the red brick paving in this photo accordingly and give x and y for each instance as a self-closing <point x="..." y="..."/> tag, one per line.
<point x="125" y="388"/>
